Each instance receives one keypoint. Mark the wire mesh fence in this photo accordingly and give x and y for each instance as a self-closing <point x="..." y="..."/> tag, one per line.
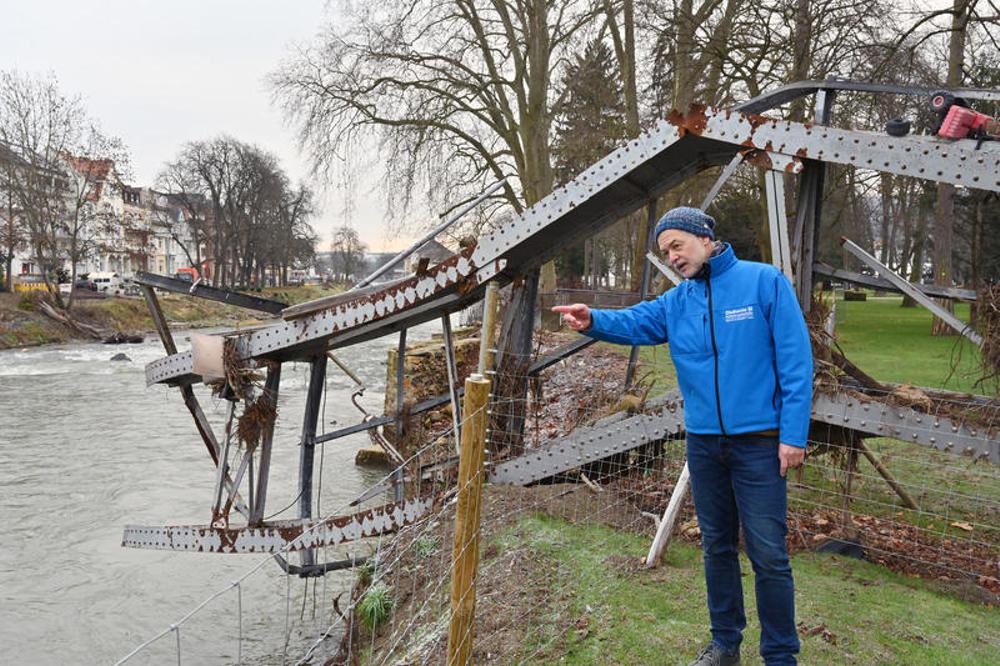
<point x="910" y="507"/>
<point x="602" y="470"/>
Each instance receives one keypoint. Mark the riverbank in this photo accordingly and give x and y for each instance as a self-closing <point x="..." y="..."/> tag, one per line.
<point x="23" y="325"/>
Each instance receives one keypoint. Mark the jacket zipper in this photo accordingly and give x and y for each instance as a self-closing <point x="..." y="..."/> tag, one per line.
<point x="715" y="352"/>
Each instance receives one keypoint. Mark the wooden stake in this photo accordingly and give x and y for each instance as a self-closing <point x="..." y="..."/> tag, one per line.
<point x="666" y="528"/>
<point x="880" y="467"/>
<point x="465" y="555"/>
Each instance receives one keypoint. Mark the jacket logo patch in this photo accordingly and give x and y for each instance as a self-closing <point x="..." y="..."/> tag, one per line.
<point x="739" y="314"/>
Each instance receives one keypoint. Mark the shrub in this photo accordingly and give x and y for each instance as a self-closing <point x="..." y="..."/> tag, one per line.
<point x="30" y="299"/>
<point x="425" y="546"/>
<point x="366" y="571"/>
<point x="375" y="607"/>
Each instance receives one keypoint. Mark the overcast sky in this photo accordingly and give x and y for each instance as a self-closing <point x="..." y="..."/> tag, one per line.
<point x="159" y="74"/>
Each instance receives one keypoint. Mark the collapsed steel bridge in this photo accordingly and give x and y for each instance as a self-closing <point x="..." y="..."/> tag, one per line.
<point x="629" y="179"/>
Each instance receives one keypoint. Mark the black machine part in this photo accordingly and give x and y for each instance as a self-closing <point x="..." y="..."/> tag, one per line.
<point x="897" y="127"/>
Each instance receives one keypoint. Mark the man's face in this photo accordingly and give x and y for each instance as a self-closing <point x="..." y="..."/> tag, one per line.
<point x="685" y="251"/>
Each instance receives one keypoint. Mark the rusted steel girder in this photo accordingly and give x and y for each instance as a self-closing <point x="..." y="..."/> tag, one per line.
<point x="281" y="536"/>
<point x="621" y="182"/>
<point x="402" y="304"/>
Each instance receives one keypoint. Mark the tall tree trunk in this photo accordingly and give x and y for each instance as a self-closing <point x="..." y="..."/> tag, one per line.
<point x="801" y="56"/>
<point x="945" y="223"/>
<point x="919" y="240"/>
<point x="623" y="38"/>
<point x="535" y="122"/>
<point x="977" y="248"/>
<point x="684" y="41"/>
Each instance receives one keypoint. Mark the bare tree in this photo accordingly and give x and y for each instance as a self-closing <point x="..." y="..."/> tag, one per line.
<point x="347" y="254"/>
<point x="60" y="171"/>
<point x="458" y="93"/>
<point x="238" y="203"/>
<point x="12" y="233"/>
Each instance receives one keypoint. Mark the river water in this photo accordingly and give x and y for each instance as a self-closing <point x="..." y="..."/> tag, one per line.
<point x="86" y="448"/>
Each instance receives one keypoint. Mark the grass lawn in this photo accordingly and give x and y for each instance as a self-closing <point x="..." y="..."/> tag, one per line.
<point x="894" y="344"/>
<point x="889" y="342"/>
<point x="602" y="609"/>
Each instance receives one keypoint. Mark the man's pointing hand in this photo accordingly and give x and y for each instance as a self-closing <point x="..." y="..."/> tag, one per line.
<point x="576" y="316"/>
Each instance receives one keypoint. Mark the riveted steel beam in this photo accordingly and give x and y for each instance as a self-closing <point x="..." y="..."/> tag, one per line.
<point x="280" y="536"/>
<point x="670" y="152"/>
<point x="877" y="418"/>
<point x="591" y="443"/>
<point x="209" y="293"/>
<point x="781" y="253"/>
<point x="880" y="419"/>
<point x="907" y="288"/>
<point x="876" y="282"/>
<point x="785" y="94"/>
<point x="404" y="304"/>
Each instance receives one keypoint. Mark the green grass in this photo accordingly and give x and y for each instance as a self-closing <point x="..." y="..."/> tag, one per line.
<point x="889" y="342"/>
<point x="654" y="366"/>
<point x="871" y="615"/>
<point x="894" y="344"/>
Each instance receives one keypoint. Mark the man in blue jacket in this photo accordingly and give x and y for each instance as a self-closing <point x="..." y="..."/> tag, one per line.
<point x="744" y="364"/>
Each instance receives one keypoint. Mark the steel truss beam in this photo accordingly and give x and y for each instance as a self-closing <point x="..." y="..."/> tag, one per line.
<point x="880" y="419"/>
<point x="781" y="253"/>
<point x="660" y="158"/>
<point x="412" y="301"/>
<point x="872" y="417"/>
<point x="876" y="282"/>
<point x="585" y="445"/>
<point x="907" y="288"/>
<point x="228" y="296"/>
<point x="785" y="94"/>
<point x="278" y="536"/>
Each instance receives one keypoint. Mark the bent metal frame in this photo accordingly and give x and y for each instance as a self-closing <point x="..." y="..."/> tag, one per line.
<point x="622" y="182"/>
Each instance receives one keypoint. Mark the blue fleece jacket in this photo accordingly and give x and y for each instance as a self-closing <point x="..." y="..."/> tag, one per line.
<point x="745" y="365"/>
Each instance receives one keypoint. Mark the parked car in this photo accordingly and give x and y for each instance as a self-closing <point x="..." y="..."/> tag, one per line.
<point x="85" y="283"/>
<point x="130" y="288"/>
<point x="107" y="282"/>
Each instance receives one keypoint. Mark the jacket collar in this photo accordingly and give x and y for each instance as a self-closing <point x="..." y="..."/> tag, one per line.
<point x="720" y="262"/>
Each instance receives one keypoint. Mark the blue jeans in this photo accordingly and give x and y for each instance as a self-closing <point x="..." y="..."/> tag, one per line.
<point x="735" y="480"/>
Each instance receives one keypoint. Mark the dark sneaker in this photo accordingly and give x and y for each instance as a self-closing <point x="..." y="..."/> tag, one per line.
<point x="713" y="655"/>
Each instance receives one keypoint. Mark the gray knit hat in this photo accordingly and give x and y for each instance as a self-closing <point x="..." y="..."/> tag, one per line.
<point x="692" y="220"/>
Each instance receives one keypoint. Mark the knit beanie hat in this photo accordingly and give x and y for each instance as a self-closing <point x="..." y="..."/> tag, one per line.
<point x="692" y="220"/>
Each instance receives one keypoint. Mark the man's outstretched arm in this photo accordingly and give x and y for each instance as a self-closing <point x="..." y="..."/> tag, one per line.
<point x="642" y="324"/>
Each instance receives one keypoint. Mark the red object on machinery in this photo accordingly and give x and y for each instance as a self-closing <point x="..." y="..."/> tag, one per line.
<point x="962" y="122"/>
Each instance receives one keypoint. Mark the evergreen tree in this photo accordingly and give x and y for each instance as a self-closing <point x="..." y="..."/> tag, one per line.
<point x="589" y="124"/>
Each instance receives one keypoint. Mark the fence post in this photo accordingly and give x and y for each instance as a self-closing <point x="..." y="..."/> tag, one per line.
<point x="465" y="555"/>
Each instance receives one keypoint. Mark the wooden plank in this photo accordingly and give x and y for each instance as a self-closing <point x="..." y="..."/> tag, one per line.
<point x="666" y="529"/>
